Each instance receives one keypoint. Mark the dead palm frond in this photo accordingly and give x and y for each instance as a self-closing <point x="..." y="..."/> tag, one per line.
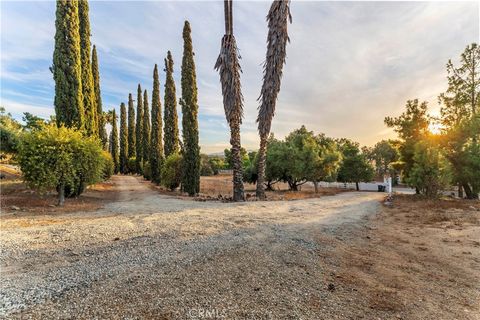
<point x="278" y="18"/>
<point x="229" y="68"/>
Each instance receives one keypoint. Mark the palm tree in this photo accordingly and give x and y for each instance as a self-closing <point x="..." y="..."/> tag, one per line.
<point x="229" y="68"/>
<point x="278" y="18"/>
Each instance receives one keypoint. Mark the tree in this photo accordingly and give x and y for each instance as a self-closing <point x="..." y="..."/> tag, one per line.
<point x="156" y="141"/>
<point x="229" y="68"/>
<point x="327" y="161"/>
<point x="170" y="116"/>
<point x="430" y="173"/>
<point x="10" y="131"/>
<point x="461" y="121"/>
<point x="57" y="157"/>
<point x="88" y="90"/>
<point x="146" y="132"/>
<point x="139" y="131"/>
<point x="67" y="66"/>
<point x="383" y="154"/>
<point x="277" y="38"/>
<point x="191" y="151"/>
<point x="412" y="127"/>
<point x="172" y="171"/>
<point x="102" y="132"/>
<point x="131" y="127"/>
<point x="123" y="140"/>
<point x="32" y="122"/>
<point x="229" y="157"/>
<point x="354" y="166"/>
<point x="114" y="142"/>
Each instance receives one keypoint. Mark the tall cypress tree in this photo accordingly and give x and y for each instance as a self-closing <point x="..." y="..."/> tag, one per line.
<point x="67" y="67"/>
<point x="102" y="132"/>
<point x="131" y="127"/>
<point x="114" y="142"/>
<point x="156" y="147"/>
<point x="191" y="156"/>
<point x="139" y="130"/>
<point x="89" y="104"/>
<point x="123" y="139"/>
<point x="170" y="113"/>
<point x="146" y="128"/>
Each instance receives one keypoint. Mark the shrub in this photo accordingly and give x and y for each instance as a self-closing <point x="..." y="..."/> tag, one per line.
<point x="147" y="170"/>
<point x="132" y="165"/>
<point x="60" y="158"/>
<point x="108" y="165"/>
<point x="172" y="171"/>
<point x="205" y="166"/>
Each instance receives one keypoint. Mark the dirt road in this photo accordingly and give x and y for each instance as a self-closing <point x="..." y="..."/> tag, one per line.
<point x="148" y="254"/>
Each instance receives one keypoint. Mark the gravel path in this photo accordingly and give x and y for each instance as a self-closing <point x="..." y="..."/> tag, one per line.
<point x="153" y="256"/>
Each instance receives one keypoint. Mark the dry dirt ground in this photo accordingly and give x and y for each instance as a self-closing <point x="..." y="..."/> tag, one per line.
<point x="152" y="256"/>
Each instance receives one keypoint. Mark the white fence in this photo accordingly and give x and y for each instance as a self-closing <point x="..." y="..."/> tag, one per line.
<point x="363" y="186"/>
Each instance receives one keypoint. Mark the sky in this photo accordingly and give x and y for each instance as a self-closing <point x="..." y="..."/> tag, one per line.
<point x="349" y="64"/>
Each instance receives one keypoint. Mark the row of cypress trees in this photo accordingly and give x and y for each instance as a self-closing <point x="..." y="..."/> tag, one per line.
<point x="78" y="103"/>
<point x="145" y="138"/>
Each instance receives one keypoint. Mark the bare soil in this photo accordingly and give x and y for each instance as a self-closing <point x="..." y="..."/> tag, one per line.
<point x="145" y="255"/>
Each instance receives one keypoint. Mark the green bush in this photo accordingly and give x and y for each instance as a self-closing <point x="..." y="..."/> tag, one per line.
<point x="132" y="165"/>
<point x="205" y="166"/>
<point x="172" y="171"/>
<point x="147" y="170"/>
<point x="108" y="165"/>
<point x="60" y="158"/>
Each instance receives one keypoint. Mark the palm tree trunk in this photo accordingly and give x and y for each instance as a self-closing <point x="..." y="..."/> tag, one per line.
<point x="262" y="152"/>
<point x="238" y="190"/>
<point x="315" y="184"/>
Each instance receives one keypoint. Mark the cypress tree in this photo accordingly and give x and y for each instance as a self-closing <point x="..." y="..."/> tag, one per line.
<point x="114" y="142"/>
<point x="170" y="113"/>
<point x="156" y="147"/>
<point x="139" y="130"/>
<point x="123" y="140"/>
<point x="67" y="67"/>
<point x="146" y="128"/>
<point x="131" y="127"/>
<point x="191" y="155"/>
<point x="102" y="132"/>
<point x="89" y="104"/>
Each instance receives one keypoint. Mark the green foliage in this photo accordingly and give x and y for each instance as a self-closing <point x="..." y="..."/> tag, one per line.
<point x="383" y="154"/>
<point x="146" y="132"/>
<point x="102" y="132"/>
<point x="172" y="171"/>
<point x="430" y="173"/>
<point x="108" y="165"/>
<point x="114" y="143"/>
<point x="10" y="131"/>
<point x="206" y="166"/>
<point x="170" y="113"/>
<point x="88" y="90"/>
<point x="147" y="171"/>
<point x="156" y="141"/>
<point x="189" y="103"/>
<point x="229" y="159"/>
<point x="139" y="130"/>
<point x="217" y="164"/>
<point x="59" y="157"/>
<point x="355" y="166"/>
<point x="132" y="165"/>
<point x="123" y="166"/>
<point x="67" y="66"/>
<point x="32" y="122"/>
<point x="131" y="127"/>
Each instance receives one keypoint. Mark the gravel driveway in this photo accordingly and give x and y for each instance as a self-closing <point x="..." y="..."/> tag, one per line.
<point x="152" y="256"/>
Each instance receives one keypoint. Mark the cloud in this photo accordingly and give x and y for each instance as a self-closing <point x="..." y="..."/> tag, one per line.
<point x="349" y="64"/>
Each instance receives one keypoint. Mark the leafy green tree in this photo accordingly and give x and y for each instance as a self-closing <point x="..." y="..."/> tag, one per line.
<point x="156" y="141"/>
<point x="383" y="154"/>
<point x="146" y="133"/>
<point x="102" y="132"/>
<point x="170" y="113"/>
<point x="412" y="127"/>
<point x="430" y="173"/>
<point x="131" y="127"/>
<point x="229" y="159"/>
<point x="123" y="140"/>
<point x="10" y="131"/>
<point x="172" y="171"/>
<point x="206" y="166"/>
<point x="325" y="165"/>
<point x="114" y="142"/>
<point x="67" y="66"/>
<point x="32" y="122"/>
<point x="355" y="166"/>
<point x="57" y="157"/>
<point x="191" y="151"/>
<point x="139" y="130"/>
<point x="88" y="90"/>
<point x="461" y="121"/>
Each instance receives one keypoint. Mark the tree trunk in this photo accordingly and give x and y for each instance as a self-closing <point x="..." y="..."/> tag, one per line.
<point x="238" y="190"/>
<point x="468" y="192"/>
<point x="315" y="184"/>
<point x="356" y="185"/>
<point x="460" y="191"/>
<point x="61" y="195"/>
<point x="262" y="152"/>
